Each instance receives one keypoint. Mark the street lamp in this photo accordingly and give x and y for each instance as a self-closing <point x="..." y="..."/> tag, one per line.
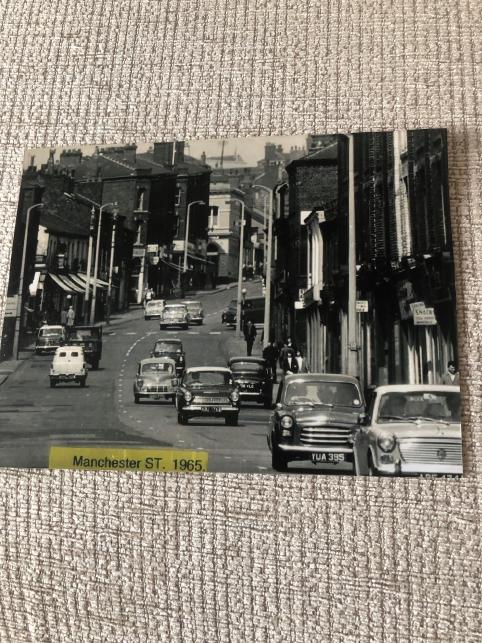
<point x="16" y="338"/>
<point x="96" y="265"/>
<point x="268" y="265"/>
<point x="189" y="205"/>
<point x="240" y="264"/>
<point x="115" y="214"/>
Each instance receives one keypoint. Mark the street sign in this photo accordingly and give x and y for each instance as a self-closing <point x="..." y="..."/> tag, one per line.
<point x="138" y="251"/>
<point x="11" y="306"/>
<point x="152" y="247"/>
<point x="361" y="306"/>
<point x="424" y="317"/>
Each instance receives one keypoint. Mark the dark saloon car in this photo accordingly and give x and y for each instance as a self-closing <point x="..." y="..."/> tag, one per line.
<point x="253" y="379"/>
<point x="90" y="338"/>
<point x="49" y="338"/>
<point x="228" y="315"/>
<point x="171" y="348"/>
<point x="316" y="418"/>
<point x="207" y="391"/>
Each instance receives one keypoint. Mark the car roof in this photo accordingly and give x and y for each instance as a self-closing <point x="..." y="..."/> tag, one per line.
<point x="254" y="360"/>
<point x="168" y="340"/>
<point x="154" y="301"/>
<point x="71" y="348"/>
<point x="324" y="377"/>
<point x="213" y="369"/>
<point x="175" y="305"/>
<point x="413" y="388"/>
<point x="191" y="301"/>
<point x="157" y="360"/>
<point x="51" y="326"/>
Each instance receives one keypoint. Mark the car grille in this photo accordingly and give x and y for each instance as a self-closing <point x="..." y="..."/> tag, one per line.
<point x="157" y="389"/>
<point x="210" y="400"/>
<point x="331" y="435"/>
<point x="431" y="451"/>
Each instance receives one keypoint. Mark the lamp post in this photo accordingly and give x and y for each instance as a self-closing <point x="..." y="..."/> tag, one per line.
<point x="18" y="317"/>
<point x="186" y="236"/>
<point x="115" y="214"/>
<point x="96" y="265"/>
<point x="267" y="305"/>
<point x="240" y="264"/>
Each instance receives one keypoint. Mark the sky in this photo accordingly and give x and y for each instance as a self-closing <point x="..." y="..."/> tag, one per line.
<point x="251" y="149"/>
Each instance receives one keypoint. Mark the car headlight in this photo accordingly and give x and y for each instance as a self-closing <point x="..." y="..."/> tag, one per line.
<point x="140" y="382"/>
<point x="181" y="358"/>
<point x="286" y="422"/>
<point x="187" y="396"/>
<point x="234" y="396"/>
<point x="387" y="444"/>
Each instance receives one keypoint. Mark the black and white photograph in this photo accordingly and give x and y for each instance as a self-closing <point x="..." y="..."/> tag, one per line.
<point x="247" y="305"/>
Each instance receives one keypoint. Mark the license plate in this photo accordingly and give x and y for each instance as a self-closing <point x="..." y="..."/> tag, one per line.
<point x="209" y="409"/>
<point x="332" y="458"/>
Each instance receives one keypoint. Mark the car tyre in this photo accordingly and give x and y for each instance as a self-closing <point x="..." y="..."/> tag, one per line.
<point x="82" y="382"/>
<point x="181" y="418"/>
<point x="371" y="467"/>
<point x="185" y="326"/>
<point x="52" y="383"/>
<point x="95" y="365"/>
<point x="136" y="399"/>
<point x="278" y="460"/>
<point x="267" y="404"/>
<point x="231" y="419"/>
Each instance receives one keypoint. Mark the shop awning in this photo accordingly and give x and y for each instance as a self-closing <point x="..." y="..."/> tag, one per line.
<point x="33" y="287"/>
<point x="81" y="279"/>
<point x="65" y="284"/>
<point x="99" y="281"/>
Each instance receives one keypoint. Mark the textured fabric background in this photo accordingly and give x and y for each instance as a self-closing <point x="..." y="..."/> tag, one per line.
<point x="132" y="557"/>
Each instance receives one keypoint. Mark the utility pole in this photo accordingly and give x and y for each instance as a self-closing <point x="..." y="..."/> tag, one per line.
<point x="111" y="262"/>
<point x="89" y="267"/>
<point x="267" y="305"/>
<point x="352" y="362"/>
<point x="240" y="265"/>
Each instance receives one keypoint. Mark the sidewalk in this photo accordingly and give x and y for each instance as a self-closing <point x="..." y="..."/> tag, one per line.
<point x="8" y="367"/>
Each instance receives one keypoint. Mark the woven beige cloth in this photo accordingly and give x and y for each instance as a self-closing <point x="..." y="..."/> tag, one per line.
<point x="132" y="557"/>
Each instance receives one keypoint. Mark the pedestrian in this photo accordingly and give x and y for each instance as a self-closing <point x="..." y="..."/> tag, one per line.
<point x="287" y="348"/>
<point x="147" y="296"/>
<point x="300" y="360"/>
<point x="270" y="354"/>
<point x="290" y="365"/>
<point x="249" y="335"/>
<point x="452" y="375"/>
<point x="70" y="317"/>
<point x="63" y="317"/>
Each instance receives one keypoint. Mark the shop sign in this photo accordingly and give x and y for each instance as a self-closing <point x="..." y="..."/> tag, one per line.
<point x="152" y="248"/>
<point x="11" y="306"/>
<point x="424" y="317"/>
<point x="361" y="306"/>
<point x="138" y="251"/>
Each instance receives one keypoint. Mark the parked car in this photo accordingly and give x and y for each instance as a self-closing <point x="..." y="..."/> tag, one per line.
<point x="174" y="315"/>
<point x="90" y="338"/>
<point x="68" y="365"/>
<point x="207" y="391"/>
<point x="153" y="309"/>
<point x="49" y="338"/>
<point x="195" y="312"/>
<point x="412" y="429"/>
<point x="253" y="379"/>
<point x="171" y="348"/>
<point x="229" y="314"/>
<point x="155" y="379"/>
<point x="316" y="418"/>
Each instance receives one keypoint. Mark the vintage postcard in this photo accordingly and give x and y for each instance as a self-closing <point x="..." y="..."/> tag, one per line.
<point x="276" y="304"/>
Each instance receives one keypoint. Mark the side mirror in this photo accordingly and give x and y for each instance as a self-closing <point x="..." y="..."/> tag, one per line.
<point x="278" y="406"/>
<point x="362" y="419"/>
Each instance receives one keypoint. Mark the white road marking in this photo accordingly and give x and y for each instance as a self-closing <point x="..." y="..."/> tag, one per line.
<point x="132" y="333"/>
<point x="215" y="332"/>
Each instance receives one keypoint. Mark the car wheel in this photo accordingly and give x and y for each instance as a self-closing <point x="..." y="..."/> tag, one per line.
<point x="82" y="382"/>
<point x="371" y="467"/>
<point x="52" y="383"/>
<point x="136" y="399"/>
<point x="267" y="404"/>
<point x="95" y="365"/>
<point x="185" y="326"/>
<point x="231" y="419"/>
<point x="278" y="460"/>
<point x="181" y="418"/>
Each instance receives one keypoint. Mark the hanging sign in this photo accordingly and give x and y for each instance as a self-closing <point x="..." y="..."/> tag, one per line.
<point x="361" y="306"/>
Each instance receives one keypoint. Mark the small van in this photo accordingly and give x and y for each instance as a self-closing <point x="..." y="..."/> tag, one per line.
<point x="68" y="365"/>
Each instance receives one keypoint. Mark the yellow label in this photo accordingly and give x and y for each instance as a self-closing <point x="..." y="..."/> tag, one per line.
<point x="115" y="459"/>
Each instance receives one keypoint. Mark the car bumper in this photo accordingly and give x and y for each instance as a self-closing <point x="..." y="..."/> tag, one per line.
<point x="154" y="316"/>
<point x="46" y="349"/>
<point x="254" y="396"/>
<point x="418" y="469"/>
<point x="168" y="324"/>
<point x="154" y="395"/>
<point x="67" y="377"/>
<point x="207" y="410"/>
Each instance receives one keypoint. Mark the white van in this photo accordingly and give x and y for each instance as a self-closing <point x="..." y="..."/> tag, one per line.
<point x="153" y="308"/>
<point x="68" y="365"/>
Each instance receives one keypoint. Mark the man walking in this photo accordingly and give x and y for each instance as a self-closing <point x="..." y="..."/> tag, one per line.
<point x="249" y="335"/>
<point x="270" y="354"/>
<point x="70" y="317"/>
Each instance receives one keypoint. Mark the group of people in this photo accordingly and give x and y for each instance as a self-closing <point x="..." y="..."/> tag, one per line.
<point x="67" y="316"/>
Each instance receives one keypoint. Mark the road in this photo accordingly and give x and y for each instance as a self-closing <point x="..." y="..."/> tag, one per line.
<point x="34" y="417"/>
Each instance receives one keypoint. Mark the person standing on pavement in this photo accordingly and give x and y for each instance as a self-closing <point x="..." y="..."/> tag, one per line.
<point x="300" y="360"/>
<point x="290" y="365"/>
<point x="249" y="335"/>
<point x="63" y="316"/>
<point x="287" y="348"/>
<point x="452" y="376"/>
<point x="270" y="354"/>
<point x="70" y="317"/>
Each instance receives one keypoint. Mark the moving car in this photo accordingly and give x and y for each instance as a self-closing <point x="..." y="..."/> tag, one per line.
<point x="253" y="379"/>
<point x="316" y="418"/>
<point x="195" y="312"/>
<point x="413" y="429"/>
<point x="49" y="338"/>
<point x="68" y="365"/>
<point x="171" y="348"/>
<point x="207" y="391"/>
<point x="174" y="315"/>
<point x="155" y="379"/>
<point x="153" y="308"/>
<point x="229" y="314"/>
<point x="90" y="338"/>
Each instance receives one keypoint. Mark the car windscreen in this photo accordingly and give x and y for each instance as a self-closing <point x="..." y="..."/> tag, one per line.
<point x="154" y="304"/>
<point x="82" y="334"/>
<point x="154" y="367"/>
<point x="432" y="406"/>
<point x="322" y="393"/>
<point x="247" y="367"/>
<point x="193" y="308"/>
<point x="50" y="332"/>
<point x="210" y="378"/>
<point x="167" y="347"/>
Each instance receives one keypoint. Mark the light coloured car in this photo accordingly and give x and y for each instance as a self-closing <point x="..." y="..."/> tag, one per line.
<point x="155" y="379"/>
<point x="49" y="338"/>
<point x="153" y="309"/>
<point x="195" y="312"/>
<point x="174" y="315"/>
<point x="413" y="429"/>
<point x="68" y="365"/>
